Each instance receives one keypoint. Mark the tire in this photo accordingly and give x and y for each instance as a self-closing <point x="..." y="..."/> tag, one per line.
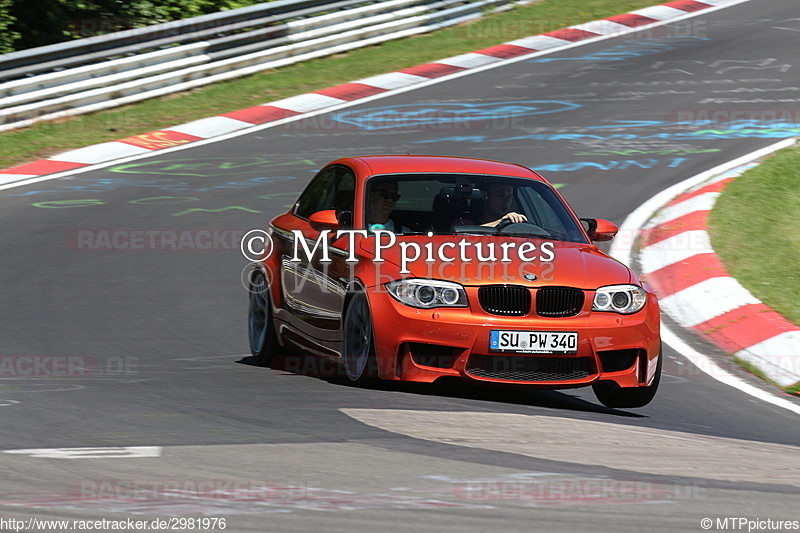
<point x="260" y="326"/>
<point x="358" y="355"/>
<point x="612" y="395"/>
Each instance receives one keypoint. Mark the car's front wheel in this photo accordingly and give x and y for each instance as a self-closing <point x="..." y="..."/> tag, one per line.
<point x="612" y="395"/>
<point x="261" y="329"/>
<point x="359" y="345"/>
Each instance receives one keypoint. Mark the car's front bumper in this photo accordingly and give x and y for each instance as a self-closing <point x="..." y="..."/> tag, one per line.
<point x="425" y="345"/>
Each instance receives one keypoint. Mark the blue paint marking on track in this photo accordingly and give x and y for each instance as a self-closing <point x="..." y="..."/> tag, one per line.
<point x="610" y="165"/>
<point x="205" y="167"/>
<point x="621" y="52"/>
<point x="742" y="130"/>
<point x="101" y="185"/>
<point x="447" y="113"/>
<point x="780" y="133"/>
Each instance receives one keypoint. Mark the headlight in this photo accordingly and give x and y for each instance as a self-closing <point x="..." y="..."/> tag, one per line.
<point x="428" y="293"/>
<point x="624" y="299"/>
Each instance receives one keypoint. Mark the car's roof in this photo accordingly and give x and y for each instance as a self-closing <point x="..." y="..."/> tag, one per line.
<point x="394" y="164"/>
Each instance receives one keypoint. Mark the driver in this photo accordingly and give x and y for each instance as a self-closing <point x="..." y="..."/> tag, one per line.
<point x="497" y="198"/>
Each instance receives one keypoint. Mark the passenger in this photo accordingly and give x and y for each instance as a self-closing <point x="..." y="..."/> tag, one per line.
<point x="380" y="205"/>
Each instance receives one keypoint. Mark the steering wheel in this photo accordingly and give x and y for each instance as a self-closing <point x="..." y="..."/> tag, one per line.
<point x="503" y="224"/>
<point x="539" y="231"/>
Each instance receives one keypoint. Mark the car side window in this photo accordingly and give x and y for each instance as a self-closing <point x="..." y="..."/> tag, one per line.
<point x="546" y="215"/>
<point x="332" y="188"/>
<point x="546" y="210"/>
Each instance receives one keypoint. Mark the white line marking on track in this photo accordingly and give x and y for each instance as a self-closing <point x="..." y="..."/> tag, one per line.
<point x="211" y="126"/>
<point x="539" y="42"/>
<point x="675" y="249"/>
<point x="470" y="60"/>
<point x="702" y="202"/>
<point x="704" y="363"/>
<point x="97" y="153"/>
<point x="10" y="178"/>
<point x="659" y="12"/>
<point x="303" y="103"/>
<point x="126" y="452"/>
<point x="393" y="80"/>
<point x="706" y="300"/>
<point x="602" y="27"/>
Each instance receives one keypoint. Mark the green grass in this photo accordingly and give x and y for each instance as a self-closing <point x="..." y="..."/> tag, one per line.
<point x="793" y="389"/>
<point x="755" y="230"/>
<point x="753" y="369"/>
<point x="46" y="139"/>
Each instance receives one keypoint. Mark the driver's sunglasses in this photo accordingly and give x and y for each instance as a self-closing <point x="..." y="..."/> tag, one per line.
<point x="388" y="195"/>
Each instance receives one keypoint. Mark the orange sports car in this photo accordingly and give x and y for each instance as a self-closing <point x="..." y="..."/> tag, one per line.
<point x="422" y="267"/>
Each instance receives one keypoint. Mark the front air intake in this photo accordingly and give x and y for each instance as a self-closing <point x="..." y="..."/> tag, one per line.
<point x="524" y="368"/>
<point x="558" y="301"/>
<point x="505" y="300"/>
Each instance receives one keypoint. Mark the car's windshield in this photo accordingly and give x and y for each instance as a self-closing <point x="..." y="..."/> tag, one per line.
<point x="469" y="203"/>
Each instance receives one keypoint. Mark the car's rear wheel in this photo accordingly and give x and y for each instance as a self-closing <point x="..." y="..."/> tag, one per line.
<point x="359" y="344"/>
<point x="261" y="329"/>
<point x="612" y="395"/>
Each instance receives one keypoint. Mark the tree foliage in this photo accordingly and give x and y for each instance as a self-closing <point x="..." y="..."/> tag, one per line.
<point x="7" y="34"/>
<point x="27" y="24"/>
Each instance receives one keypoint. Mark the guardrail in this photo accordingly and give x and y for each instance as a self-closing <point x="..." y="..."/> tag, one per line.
<point x="97" y="73"/>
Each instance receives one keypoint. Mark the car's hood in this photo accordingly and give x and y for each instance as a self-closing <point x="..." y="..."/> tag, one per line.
<point x="543" y="263"/>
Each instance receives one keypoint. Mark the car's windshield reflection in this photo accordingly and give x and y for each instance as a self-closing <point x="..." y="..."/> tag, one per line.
<point x="468" y="204"/>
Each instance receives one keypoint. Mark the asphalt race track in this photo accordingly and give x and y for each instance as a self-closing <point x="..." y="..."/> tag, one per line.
<point x="105" y="346"/>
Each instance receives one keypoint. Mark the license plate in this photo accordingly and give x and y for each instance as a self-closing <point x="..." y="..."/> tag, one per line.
<point x="533" y="341"/>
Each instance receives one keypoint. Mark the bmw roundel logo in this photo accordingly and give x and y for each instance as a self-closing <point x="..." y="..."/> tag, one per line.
<point x="530" y="277"/>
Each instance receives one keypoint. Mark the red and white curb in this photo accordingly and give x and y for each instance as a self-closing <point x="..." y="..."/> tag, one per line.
<point x="695" y="290"/>
<point x="281" y="111"/>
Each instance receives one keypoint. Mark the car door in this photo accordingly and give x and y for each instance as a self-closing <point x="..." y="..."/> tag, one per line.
<point x="315" y="284"/>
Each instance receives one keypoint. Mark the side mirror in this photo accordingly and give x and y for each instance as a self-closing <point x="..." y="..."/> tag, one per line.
<point x="345" y="219"/>
<point x="600" y="230"/>
<point x="322" y="220"/>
